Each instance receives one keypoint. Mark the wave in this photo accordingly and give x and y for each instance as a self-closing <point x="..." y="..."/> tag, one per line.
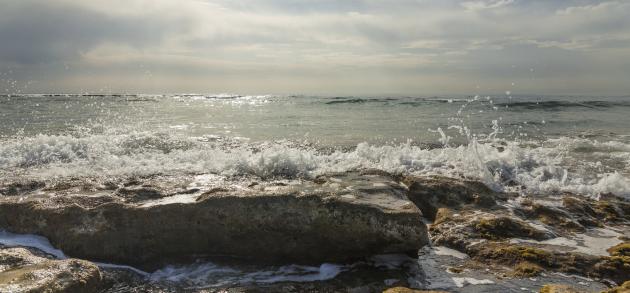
<point x="349" y="100"/>
<point x="408" y="101"/>
<point x="557" y="165"/>
<point x="229" y="99"/>
<point x="562" y="105"/>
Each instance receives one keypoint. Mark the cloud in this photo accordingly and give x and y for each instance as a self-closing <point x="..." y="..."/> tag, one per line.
<point x="482" y="5"/>
<point x="204" y="45"/>
<point x="47" y="31"/>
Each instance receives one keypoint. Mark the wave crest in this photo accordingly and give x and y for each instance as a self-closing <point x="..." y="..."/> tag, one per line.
<point x="552" y="166"/>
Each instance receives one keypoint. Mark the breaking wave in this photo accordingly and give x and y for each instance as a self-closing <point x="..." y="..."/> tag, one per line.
<point x="530" y="167"/>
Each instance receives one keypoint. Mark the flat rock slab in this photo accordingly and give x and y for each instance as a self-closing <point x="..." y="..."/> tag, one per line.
<point x="336" y="218"/>
<point x="23" y="271"/>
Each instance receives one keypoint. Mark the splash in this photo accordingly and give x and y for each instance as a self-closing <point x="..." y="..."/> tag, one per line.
<point x="531" y="167"/>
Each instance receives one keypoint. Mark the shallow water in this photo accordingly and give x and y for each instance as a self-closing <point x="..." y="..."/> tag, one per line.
<point x="527" y="144"/>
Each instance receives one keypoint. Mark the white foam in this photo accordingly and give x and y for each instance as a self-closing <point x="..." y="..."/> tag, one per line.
<point x="583" y="242"/>
<point x="178" y="198"/>
<point x="463" y="281"/>
<point x="544" y="168"/>
<point x="441" y="250"/>
<point x="29" y="240"/>
<point x="211" y="275"/>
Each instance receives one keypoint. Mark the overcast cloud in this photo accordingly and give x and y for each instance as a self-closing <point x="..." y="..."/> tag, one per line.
<point x="316" y="47"/>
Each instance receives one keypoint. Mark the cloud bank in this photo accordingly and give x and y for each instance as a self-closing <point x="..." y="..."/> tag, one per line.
<point x="319" y="47"/>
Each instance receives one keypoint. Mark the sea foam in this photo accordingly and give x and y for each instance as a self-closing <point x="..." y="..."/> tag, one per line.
<point x="530" y="167"/>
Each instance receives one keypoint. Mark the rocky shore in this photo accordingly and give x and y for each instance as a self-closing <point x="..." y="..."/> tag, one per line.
<point x="381" y="232"/>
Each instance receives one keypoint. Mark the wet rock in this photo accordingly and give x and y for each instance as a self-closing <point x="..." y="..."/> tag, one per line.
<point x="139" y="194"/>
<point x="582" y="209"/>
<point x="553" y="216"/>
<point x="512" y="254"/>
<point x="507" y="227"/>
<point x="609" y="211"/>
<point x="459" y="230"/>
<point x="19" y="188"/>
<point x="344" y="217"/>
<point x="527" y="269"/>
<point x="407" y="290"/>
<point x="23" y="271"/>
<point x="432" y="193"/>
<point x="559" y="288"/>
<point x="621" y="249"/>
<point x="624" y="288"/>
<point x="615" y="268"/>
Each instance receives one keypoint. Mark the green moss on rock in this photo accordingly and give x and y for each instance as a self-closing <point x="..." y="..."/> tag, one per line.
<point x="622" y="249"/>
<point x="506" y="227"/>
<point x="558" y="288"/>
<point x="527" y="269"/>
<point x="624" y="288"/>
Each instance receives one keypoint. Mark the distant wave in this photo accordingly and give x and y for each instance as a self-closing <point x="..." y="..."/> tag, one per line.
<point x="559" y="105"/>
<point x="348" y="101"/>
<point x="393" y="101"/>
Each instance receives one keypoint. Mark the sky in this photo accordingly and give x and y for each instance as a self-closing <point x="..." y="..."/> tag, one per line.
<point x="354" y="47"/>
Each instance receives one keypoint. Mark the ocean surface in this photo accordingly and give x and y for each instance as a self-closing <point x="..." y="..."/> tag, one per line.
<point x="526" y="144"/>
<point x="532" y="145"/>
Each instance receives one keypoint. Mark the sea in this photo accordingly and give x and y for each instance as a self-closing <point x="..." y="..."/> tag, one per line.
<point x="533" y="145"/>
<point x="530" y="144"/>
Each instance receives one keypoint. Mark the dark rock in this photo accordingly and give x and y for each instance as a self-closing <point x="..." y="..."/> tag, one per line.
<point x="432" y="193"/>
<point x="507" y="227"/>
<point x="347" y="217"/>
<point x="19" y="188"/>
<point x="139" y="194"/>
<point x="553" y="216"/>
<point x="615" y="268"/>
<point x="408" y="290"/>
<point x="459" y="230"/>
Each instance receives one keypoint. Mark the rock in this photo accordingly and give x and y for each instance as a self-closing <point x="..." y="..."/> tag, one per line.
<point x="23" y="271"/>
<point x="554" y="216"/>
<point x="523" y="257"/>
<point x="507" y="227"/>
<point x="341" y="218"/>
<point x="19" y="188"/>
<point x="527" y="269"/>
<point x="407" y="290"/>
<point x="510" y="254"/>
<point x="615" y="268"/>
<point x="558" y="288"/>
<point x="621" y="249"/>
<point x="624" y="288"/>
<point x="432" y="193"/>
<point x="459" y="230"/>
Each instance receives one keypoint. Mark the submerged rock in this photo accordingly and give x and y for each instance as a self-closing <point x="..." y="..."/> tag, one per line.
<point x="338" y="218"/>
<point x="23" y="271"/>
